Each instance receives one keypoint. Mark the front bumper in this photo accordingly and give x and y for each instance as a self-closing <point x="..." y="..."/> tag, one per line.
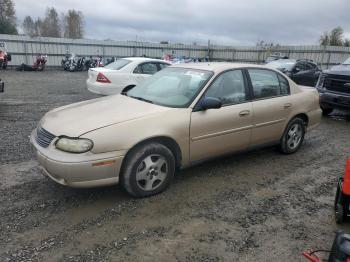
<point x="78" y="170"/>
<point x="334" y="100"/>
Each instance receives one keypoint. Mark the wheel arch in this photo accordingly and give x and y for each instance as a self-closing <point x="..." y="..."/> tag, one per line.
<point x="304" y="117"/>
<point x="164" y="140"/>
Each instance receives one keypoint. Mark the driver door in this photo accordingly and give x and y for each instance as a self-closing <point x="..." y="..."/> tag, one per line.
<point x="218" y="131"/>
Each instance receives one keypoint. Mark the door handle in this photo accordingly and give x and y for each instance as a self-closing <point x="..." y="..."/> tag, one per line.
<point x="244" y="113"/>
<point x="288" y="105"/>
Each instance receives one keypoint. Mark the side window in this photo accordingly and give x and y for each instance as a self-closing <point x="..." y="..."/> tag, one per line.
<point x="284" y="85"/>
<point x="149" y="68"/>
<point x="138" y="70"/>
<point x="162" y="66"/>
<point x="229" y="87"/>
<point x="310" y="66"/>
<point x="265" y="83"/>
<point x="300" y="66"/>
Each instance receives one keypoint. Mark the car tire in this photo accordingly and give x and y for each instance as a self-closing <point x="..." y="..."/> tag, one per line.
<point x="293" y="136"/>
<point x="326" y="110"/>
<point x="339" y="214"/>
<point x="148" y="170"/>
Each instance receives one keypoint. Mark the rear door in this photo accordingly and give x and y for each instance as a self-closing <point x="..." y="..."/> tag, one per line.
<point x="271" y="105"/>
<point x="218" y="131"/>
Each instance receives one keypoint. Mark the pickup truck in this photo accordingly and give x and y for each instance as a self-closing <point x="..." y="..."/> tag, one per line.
<point x="334" y="88"/>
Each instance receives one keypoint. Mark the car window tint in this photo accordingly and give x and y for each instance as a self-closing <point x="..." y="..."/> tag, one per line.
<point x="162" y="66"/>
<point x="300" y="65"/>
<point x="149" y="68"/>
<point x="265" y="83"/>
<point x="138" y="70"/>
<point x="229" y="88"/>
<point x="284" y="85"/>
<point x="310" y="66"/>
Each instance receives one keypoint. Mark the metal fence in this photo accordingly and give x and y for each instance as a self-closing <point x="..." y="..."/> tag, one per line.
<point x="24" y="49"/>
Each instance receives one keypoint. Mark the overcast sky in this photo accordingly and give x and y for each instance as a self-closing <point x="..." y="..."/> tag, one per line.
<point x="243" y="22"/>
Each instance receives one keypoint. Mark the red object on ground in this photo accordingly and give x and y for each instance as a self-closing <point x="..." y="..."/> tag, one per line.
<point x="312" y="258"/>
<point x="346" y="179"/>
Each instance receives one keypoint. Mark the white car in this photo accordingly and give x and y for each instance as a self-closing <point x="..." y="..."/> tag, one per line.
<point x="122" y="74"/>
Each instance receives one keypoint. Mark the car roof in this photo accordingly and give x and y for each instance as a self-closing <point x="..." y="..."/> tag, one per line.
<point x="138" y="59"/>
<point x="217" y="66"/>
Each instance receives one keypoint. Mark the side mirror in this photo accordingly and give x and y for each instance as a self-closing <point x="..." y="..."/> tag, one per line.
<point x="210" y="103"/>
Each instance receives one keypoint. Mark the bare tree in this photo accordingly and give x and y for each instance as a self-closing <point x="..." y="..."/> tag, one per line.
<point x="347" y="42"/>
<point x="51" y="24"/>
<point x="334" y="38"/>
<point x="29" y="26"/>
<point x="7" y="17"/>
<point x="7" y="11"/>
<point x="324" y="39"/>
<point x="74" y="24"/>
<point x="38" y="25"/>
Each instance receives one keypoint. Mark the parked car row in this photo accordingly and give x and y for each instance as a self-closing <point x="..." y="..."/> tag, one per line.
<point x="333" y="84"/>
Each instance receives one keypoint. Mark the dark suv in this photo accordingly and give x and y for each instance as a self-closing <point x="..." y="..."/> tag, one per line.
<point x="301" y="71"/>
<point x="334" y="88"/>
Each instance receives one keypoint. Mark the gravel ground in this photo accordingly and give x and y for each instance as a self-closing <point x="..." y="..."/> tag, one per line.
<point x="257" y="206"/>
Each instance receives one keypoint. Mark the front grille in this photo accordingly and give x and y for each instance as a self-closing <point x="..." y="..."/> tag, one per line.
<point x="337" y="83"/>
<point x="43" y="137"/>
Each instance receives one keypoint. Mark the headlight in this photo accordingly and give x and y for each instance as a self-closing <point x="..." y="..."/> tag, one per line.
<point x="74" y="145"/>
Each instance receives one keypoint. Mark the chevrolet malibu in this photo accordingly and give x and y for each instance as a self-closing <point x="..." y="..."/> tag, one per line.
<point x="182" y="115"/>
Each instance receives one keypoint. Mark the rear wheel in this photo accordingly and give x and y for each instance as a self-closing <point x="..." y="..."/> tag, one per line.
<point x="293" y="136"/>
<point x="148" y="170"/>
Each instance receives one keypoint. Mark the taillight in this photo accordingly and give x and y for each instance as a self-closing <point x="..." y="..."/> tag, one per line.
<point x="101" y="78"/>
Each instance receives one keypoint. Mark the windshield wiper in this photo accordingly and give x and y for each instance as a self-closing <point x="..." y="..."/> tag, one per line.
<point x="142" y="99"/>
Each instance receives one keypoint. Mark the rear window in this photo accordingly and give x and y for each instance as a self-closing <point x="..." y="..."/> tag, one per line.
<point x="117" y="65"/>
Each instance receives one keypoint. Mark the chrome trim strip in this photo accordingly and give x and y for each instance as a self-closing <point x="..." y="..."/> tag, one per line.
<point x="269" y="123"/>
<point x="235" y="130"/>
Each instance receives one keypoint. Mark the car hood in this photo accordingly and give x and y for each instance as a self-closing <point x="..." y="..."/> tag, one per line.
<point x="339" y="70"/>
<point x="77" y="119"/>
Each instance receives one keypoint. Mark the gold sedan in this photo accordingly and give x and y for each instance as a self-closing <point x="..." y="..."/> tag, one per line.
<point x="182" y="115"/>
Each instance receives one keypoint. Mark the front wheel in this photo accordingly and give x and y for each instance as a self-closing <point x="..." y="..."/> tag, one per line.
<point x="148" y="170"/>
<point x="293" y="136"/>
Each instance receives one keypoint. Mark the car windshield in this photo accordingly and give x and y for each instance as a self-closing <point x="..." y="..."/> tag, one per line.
<point x="119" y="64"/>
<point x="282" y="64"/>
<point x="171" y="87"/>
<point x="347" y="61"/>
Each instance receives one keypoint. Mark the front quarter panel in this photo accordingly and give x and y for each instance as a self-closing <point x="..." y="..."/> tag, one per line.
<point x="173" y="123"/>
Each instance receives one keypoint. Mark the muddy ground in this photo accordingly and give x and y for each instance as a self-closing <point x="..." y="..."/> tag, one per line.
<point x="257" y="206"/>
